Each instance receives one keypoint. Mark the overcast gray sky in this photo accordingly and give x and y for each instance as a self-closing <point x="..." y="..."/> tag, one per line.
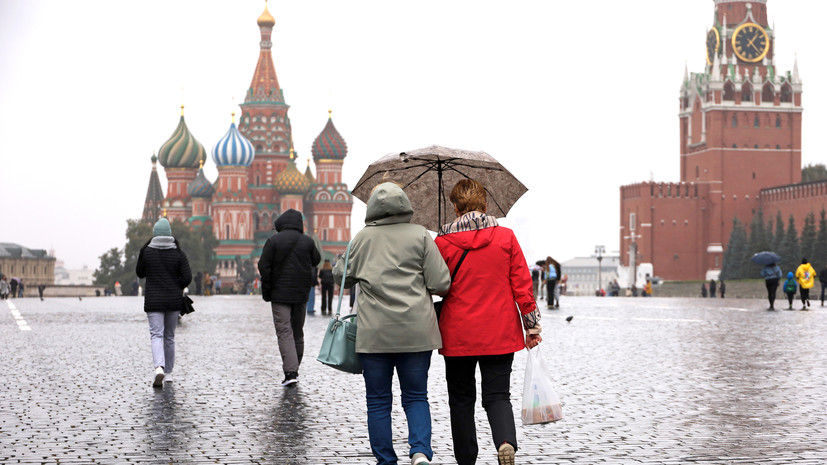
<point x="574" y="98"/>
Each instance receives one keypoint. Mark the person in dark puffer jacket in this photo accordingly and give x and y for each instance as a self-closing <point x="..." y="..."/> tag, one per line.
<point x="167" y="272"/>
<point x="286" y="277"/>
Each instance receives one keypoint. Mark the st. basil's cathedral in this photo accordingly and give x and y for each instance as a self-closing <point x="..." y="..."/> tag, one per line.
<point x="257" y="175"/>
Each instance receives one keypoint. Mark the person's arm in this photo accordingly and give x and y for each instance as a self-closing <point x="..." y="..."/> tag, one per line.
<point x="140" y="268"/>
<point x="265" y="268"/>
<point x="522" y="290"/>
<point x="185" y="276"/>
<point x="437" y="275"/>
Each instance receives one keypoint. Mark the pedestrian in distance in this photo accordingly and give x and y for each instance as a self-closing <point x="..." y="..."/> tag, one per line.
<point x="772" y="276"/>
<point x="806" y="276"/>
<point x="13" y="288"/>
<point x="822" y="278"/>
<point x="535" y="279"/>
<point x="167" y="271"/>
<point x="218" y="285"/>
<point x="397" y="267"/>
<point x="790" y="286"/>
<point x="40" y="289"/>
<point x="326" y="277"/>
<point x="5" y="288"/>
<point x="551" y="284"/>
<point x="199" y="283"/>
<point x="285" y="267"/>
<point x="704" y="292"/>
<point x="721" y="287"/>
<point x="487" y="284"/>
<point x="713" y="289"/>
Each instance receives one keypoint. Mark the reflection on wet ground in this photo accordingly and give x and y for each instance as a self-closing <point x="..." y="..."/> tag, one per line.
<point x="643" y="380"/>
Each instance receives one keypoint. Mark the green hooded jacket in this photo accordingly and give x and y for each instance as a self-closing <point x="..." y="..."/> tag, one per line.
<point x="397" y="266"/>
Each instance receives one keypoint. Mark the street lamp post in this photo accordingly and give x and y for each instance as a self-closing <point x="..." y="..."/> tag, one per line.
<point x="599" y="250"/>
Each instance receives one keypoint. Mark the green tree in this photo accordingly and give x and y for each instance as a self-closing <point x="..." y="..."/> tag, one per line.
<point x="790" y="251"/>
<point x="758" y="237"/>
<point x="736" y="255"/>
<point x="199" y="245"/>
<point x="808" y="236"/>
<point x="778" y="237"/>
<point x="820" y="255"/>
<point x="816" y="172"/>
<point x="110" y="269"/>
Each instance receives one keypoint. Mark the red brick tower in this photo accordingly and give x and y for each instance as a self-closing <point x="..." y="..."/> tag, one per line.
<point x="331" y="201"/>
<point x="740" y="132"/>
<point x="264" y="122"/>
<point x="154" y="196"/>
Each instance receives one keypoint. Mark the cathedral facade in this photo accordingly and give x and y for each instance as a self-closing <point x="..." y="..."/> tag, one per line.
<point x="257" y="175"/>
<point x="740" y="151"/>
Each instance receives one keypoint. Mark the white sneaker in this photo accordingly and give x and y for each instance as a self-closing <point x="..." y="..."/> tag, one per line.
<point x="420" y="459"/>
<point x="158" y="381"/>
<point x="167" y="377"/>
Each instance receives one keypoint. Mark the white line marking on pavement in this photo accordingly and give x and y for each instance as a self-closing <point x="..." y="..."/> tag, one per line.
<point x="21" y="323"/>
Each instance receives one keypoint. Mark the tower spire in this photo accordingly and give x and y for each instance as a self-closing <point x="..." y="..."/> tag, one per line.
<point x="796" y="77"/>
<point x="265" y="84"/>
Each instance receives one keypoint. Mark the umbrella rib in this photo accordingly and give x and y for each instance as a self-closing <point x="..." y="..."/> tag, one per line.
<point x="389" y="170"/>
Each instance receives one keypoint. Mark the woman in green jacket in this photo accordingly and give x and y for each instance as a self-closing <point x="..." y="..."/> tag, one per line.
<point x="397" y="266"/>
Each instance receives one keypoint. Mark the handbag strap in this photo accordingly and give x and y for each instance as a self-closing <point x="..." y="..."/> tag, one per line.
<point x="342" y="286"/>
<point x="456" y="268"/>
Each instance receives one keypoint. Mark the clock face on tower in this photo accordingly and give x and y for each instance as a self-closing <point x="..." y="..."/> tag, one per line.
<point x="713" y="43"/>
<point x="750" y="42"/>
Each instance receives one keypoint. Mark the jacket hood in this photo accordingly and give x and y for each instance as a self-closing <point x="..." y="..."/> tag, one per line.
<point x="790" y="275"/>
<point x="291" y="219"/>
<point x="473" y="230"/>
<point x="388" y="204"/>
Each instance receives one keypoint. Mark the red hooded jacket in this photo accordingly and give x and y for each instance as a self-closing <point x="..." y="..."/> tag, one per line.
<point x="479" y="315"/>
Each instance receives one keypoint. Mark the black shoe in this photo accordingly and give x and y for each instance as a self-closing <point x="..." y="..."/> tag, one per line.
<point x="291" y="377"/>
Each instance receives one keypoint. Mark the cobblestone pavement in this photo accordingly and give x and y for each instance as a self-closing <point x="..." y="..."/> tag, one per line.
<point x="653" y="380"/>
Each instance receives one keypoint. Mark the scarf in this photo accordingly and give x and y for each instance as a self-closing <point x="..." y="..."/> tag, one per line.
<point x="162" y="242"/>
<point x="471" y="221"/>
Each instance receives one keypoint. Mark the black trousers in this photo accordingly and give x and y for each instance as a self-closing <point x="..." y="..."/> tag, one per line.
<point x="327" y="298"/>
<point x="496" y="400"/>
<point x="823" y="288"/>
<point x="772" y="286"/>
<point x="805" y="296"/>
<point x="790" y="297"/>
<point x="551" y="284"/>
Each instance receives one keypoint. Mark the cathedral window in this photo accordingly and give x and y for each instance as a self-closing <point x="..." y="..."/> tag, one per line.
<point x="227" y="232"/>
<point x="756" y="123"/>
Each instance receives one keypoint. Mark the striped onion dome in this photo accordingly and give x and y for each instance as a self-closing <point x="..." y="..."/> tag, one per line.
<point x="291" y="181"/>
<point x="233" y="149"/>
<point x="200" y="186"/>
<point x="329" y="145"/>
<point x="181" y="150"/>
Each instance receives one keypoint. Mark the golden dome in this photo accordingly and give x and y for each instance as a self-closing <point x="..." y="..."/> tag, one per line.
<point x="266" y="19"/>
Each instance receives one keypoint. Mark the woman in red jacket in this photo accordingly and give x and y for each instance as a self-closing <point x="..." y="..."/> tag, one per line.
<point x="480" y="323"/>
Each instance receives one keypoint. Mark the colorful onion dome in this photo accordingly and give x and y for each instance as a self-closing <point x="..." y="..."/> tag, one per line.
<point x="329" y="145"/>
<point x="266" y="19"/>
<point x="181" y="150"/>
<point x="291" y="181"/>
<point x="200" y="186"/>
<point x="233" y="149"/>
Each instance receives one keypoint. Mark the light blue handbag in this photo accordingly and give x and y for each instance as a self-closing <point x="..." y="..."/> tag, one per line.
<point x="339" y="343"/>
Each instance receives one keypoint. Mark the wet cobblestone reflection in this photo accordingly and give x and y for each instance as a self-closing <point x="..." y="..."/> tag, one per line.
<point x="642" y="381"/>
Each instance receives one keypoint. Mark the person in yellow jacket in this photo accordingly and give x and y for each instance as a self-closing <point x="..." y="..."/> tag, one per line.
<point x="806" y="276"/>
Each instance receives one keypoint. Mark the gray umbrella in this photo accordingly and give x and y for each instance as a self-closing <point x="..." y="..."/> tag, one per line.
<point x="428" y="175"/>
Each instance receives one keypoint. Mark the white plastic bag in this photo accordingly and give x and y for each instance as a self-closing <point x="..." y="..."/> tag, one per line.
<point x="540" y="401"/>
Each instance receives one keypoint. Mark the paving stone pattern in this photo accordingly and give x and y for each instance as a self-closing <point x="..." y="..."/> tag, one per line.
<point x="655" y="380"/>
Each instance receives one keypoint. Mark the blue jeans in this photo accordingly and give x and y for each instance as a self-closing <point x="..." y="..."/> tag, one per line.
<point x="311" y="300"/>
<point x="412" y="369"/>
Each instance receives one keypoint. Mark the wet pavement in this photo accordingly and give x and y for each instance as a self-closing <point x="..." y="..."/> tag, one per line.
<point x="652" y="380"/>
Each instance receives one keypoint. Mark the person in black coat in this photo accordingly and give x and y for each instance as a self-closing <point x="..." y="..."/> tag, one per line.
<point x="286" y="276"/>
<point x="326" y="277"/>
<point x="167" y="271"/>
